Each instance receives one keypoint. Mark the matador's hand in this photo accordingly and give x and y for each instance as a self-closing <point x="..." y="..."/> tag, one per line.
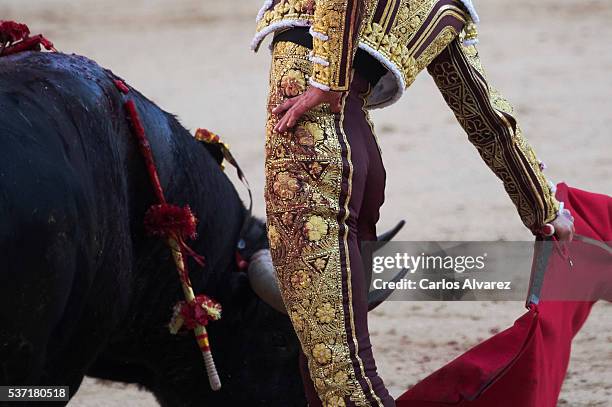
<point x="292" y="109"/>
<point x="564" y="226"/>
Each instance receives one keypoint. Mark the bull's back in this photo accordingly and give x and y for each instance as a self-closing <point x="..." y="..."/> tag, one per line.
<point x="62" y="204"/>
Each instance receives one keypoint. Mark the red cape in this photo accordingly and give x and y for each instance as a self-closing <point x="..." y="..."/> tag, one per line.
<point x="526" y="364"/>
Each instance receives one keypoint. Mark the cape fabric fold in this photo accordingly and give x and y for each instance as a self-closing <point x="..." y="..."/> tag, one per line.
<point x="526" y="364"/>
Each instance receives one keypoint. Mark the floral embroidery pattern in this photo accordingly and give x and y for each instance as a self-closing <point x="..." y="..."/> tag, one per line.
<point x="315" y="169"/>
<point x="321" y="353"/>
<point x="293" y="83"/>
<point x="303" y="186"/>
<point x="335" y="401"/>
<point x="273" y="237"/>
<point x="286" y="186"/>
<point x="309" y="133"/>
<point x="326" y="313"/>
<point x="316" y="228"/>
<point x="320" y="264"/>
<point x="341" y="377"/>
<point x="297" y="319"/>
<point x="301" y="279"/>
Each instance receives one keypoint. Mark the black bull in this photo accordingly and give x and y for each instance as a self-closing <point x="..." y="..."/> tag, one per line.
<point x="83" y="290"/>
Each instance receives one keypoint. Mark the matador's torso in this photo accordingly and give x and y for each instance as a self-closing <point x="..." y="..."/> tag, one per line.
<point x="403" y="35"/>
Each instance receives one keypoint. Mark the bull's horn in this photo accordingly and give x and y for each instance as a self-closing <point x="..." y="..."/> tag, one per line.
<point x="377" y="297"/>
<point x="263" y="280"/>
<point x="264" y="283"/>
<point x="389" y="235"/>
<point x="383" y="240"/>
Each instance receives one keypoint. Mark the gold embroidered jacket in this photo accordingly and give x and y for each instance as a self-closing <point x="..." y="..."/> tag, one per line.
<point x="398" y="33"/>
<point x="404" y="36"/>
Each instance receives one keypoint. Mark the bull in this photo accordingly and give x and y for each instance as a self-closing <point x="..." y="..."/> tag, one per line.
<point x="83" y="289"/>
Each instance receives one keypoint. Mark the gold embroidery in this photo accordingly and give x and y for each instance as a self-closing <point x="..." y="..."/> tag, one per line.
<point x="320" y="264"/>
<point x="546" y="199"/>
<point x="389" y="37"/>
<point x="335" y="42"/>
<point x="316" y="228"/>
<point x="303" y="186"/>
<point x="300" y="279"/>
<point x="286" y="186"/>
<point x="309" y="134"/>
<point x="288" y="10"/>
<point x="273" y="237"/>
<point x="446" y="36"/>
<point x="322" y="354"/>
<point x="335" y="401"/>
<point x="293" y="83"/>
<point x="394" y="45"/>
<point x="326" y="313"/>
<point x="494" y="132"/>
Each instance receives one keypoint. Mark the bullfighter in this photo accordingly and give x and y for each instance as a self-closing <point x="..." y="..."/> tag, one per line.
<point x="332" y="60"/>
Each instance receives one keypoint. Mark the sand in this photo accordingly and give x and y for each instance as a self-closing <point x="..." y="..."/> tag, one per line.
<point x="551" y="58"/>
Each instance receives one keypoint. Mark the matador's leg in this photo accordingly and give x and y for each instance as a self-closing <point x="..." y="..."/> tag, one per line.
<point x="316" y="181"/>
<point x="488" y="119"/>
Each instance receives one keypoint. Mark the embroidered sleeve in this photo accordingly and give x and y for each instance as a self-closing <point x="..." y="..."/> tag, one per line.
<point x="514" y="161"/>
<point x="501" y="144"/>
<point x="334" y="31"/>
<point x="538" y="205"/>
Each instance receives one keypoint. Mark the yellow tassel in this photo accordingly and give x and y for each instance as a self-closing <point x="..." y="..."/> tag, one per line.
<point x="213" y="310"/>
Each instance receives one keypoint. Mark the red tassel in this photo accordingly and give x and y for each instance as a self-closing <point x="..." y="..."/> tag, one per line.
<point x="28" y="44"/>
<point x="169" y="221"/>
<point x="15" y="38"/>
<point x="10" y="31"/>
<point x="199" y="312"/>
<point x="173" y="222"/>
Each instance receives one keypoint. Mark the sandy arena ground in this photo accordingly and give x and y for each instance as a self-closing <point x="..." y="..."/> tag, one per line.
<point x="551" y="58"/>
